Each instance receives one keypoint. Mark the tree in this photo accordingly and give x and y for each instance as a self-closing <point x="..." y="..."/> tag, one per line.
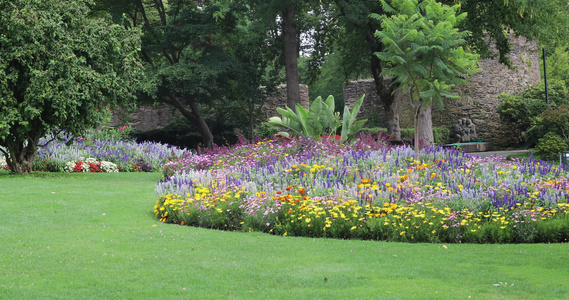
<point x="290" y="50"/>
<point x="280" y="18"/>
<point x="357" y="46"/>
<point x="59" y="70"/>
<point x="425" y="56"/>
<point x="184" y="50"/>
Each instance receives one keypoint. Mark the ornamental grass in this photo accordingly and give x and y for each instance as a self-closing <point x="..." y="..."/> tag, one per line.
<point x="367" y="190"/>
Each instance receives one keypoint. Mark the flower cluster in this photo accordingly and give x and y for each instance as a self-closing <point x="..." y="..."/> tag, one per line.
<point x="126" y="154"/>
<point x="91" y="165"/>
<point x="329" y="189"/>
<point x="3" y="163"/>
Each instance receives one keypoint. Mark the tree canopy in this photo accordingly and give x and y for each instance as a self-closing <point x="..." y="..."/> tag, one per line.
<point x="60" y="69"/>
<point x="424" y="54"/>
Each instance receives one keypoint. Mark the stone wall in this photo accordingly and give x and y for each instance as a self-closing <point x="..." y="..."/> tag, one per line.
<point x="479" y="97"/>
<point x="278" y="99"/>
<point x="146" y="118"/>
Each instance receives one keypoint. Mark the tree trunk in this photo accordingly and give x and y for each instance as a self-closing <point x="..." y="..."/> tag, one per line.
<point x="22" y="154"/>
<point x="423" y="129"/>
<point x="291" y="57"/>
<point x="392" y="119"/>
<point x="195" y="117"/>
<point x="384" y="88"/>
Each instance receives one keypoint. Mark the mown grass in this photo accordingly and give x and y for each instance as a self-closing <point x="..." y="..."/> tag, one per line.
<point x="93" y="236"/>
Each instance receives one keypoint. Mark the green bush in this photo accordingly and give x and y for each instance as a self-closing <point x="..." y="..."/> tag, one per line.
<point x="441" y="135"/>
<point x="554" y="119"/>
<point x="521" y="111"/>
<point x="551" y="146"/>
<point x="373" y="130"/>
<point x="266" y="130"/>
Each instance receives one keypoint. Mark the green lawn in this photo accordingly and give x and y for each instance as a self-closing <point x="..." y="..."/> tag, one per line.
<point x="94" y="236"/>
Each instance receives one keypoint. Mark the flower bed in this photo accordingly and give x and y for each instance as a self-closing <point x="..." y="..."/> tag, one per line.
<point x="367" y="191"/>
<point x="127" y="155"/>
<point x="91" y="165"/>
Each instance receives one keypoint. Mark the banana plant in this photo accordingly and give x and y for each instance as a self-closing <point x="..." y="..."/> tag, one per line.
<point x="349" y="125"/>
<point x="318" y="119"/>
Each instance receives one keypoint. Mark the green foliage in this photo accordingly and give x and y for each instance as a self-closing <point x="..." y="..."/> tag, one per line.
<point x="266" y="130"/>
<point x="546" y="21"/>
<point x="558" y="64"/>
<point x="441" y="135"/>
<point x="321" y="119"/>
<point x="329" y="81"/>
<point x="111" y="134"/>
<point x="522" y="111"/>
<point x="351" y="127"/>
<point x="515" y="112"/>
<point x="424" y="54"/>
<point x="551" y="146"/>
<point x="555" y="119"/>
<point x="423" y="49"/>
<point x="59" y="69"/>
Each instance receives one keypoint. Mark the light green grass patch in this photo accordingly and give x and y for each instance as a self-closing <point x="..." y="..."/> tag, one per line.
<point x="94" y="236"/>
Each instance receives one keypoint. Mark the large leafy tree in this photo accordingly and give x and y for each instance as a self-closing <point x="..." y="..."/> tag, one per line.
<point x="59" y="70"/>
<point x="356" y="45"/>
<point x="184" y="50"/>
<point x="281" y="21"/>
<point x="423" y="49"/>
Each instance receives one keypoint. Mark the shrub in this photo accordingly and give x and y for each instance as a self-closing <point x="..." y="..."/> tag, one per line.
<point x="441" y="135"/>
<point x="520" y="111"/>
<point x="266" y="131"/>
<point x="551" y="146"/>
<point x="122" y="133"/>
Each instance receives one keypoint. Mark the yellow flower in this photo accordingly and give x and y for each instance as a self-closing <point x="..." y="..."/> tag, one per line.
<point x="353" y="227"/>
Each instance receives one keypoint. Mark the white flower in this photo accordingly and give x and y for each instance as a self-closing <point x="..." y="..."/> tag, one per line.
<point x="3" y="162"/>
<point x="68" y="168"/>
<point x="108" y="167"/>
<point x="85" y="167"/>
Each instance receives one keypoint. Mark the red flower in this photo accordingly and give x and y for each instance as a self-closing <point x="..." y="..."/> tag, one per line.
<point x="77" y="167"/>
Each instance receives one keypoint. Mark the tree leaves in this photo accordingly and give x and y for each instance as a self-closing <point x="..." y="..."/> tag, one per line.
<point x="422" y="48"/>
<point x="61" y="69"/>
